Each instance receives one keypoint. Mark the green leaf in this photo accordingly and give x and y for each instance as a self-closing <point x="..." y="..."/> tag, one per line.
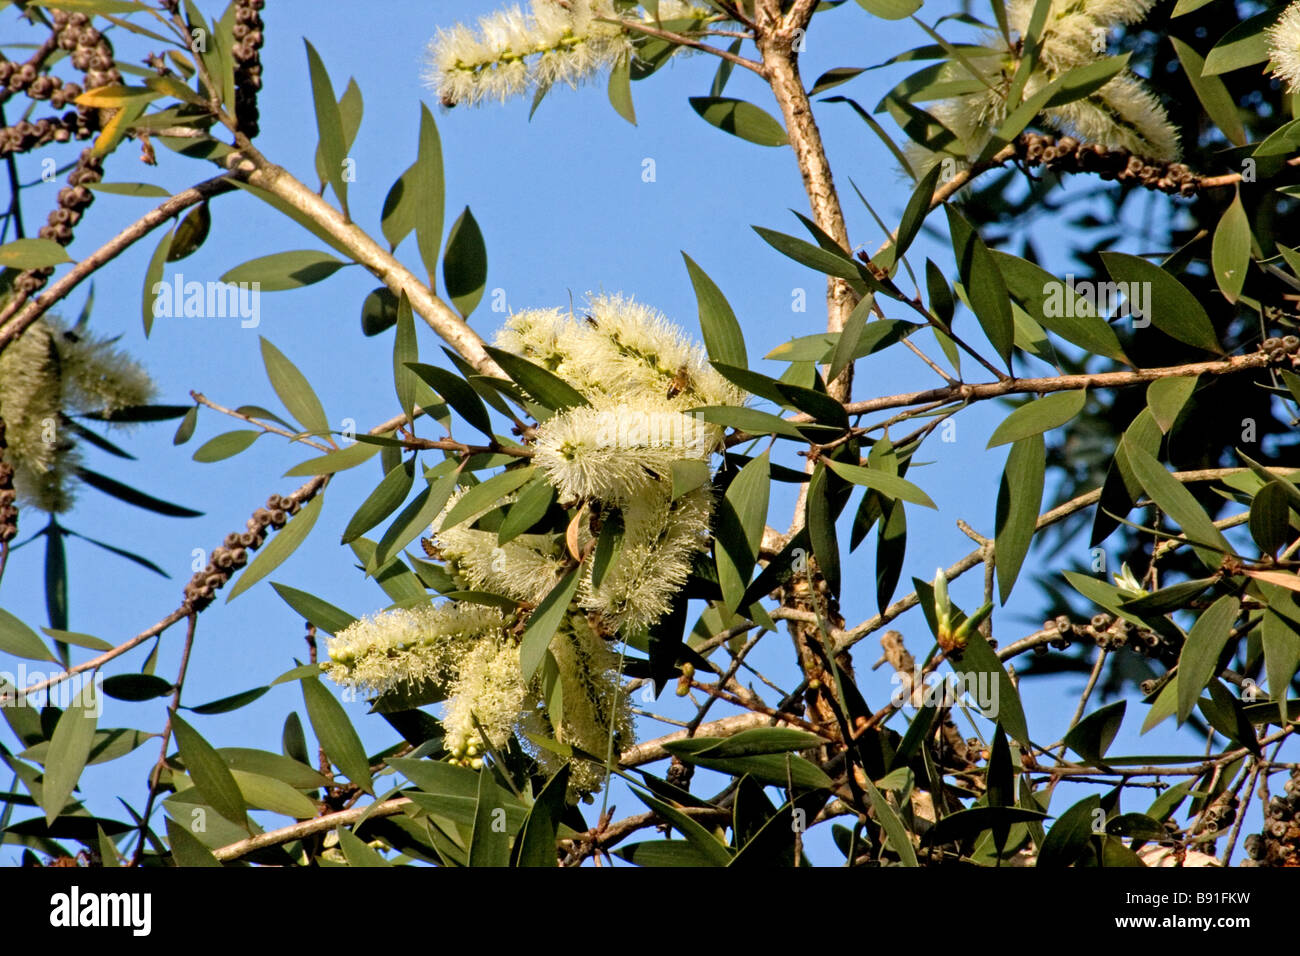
<point x="1020" y="495"/>
<point x="136" y="687"/>
<point x="77" y="639"/>
<point x="294" y="390"/>
<point x="139" y="190"/>
<point x="1281" y="644"/>
<point x="740" y="521"/>
<point x="1166" y="398"/>
<point x="1270" y="518"/>
<point x="285" y="270"/>
<point x="980" y="662"/>
<point x="620" y="89"/>
<point x="1230" y="252"/>
<point x="414" y="519"/>
<point x="267" y="793"/>
<point x="1175" y="500"/>
<point x="329" y="124"/>
<point x="350" y="108"/>
<point x="659" y="853"/>
<point x="535" y="845"/>
<point x="334" y="461"/>
<point x="110" y="486"/>
<point x="485" y="495"/>
<point x="889" y="485"/>
<point x="190" y="233"/>
<point x="722" y="335"/>
<point x="918" y="207"/>
<point x="18" y="639"/>
<point x="490" y="842"/>
<point x="457" y="393"/>
<point x="544" y="386"/>
<point x="401" y="207"/>
<point x="357" y="852"/>
<point x="701" y="839"/>
<point x="544" y="622"/>
<point x="69" y="749"/>
<point x="405" y="351"/>
<point x="687" y="475"/>
<point x="749" y="420"/>
<point x="464" y="265"/>
<point x="282" y="544"/>
<point x="185" y="430"/>
<point x="741" y="119"/>
<point x="814" y="257"/>
<point x="531" y="504"/>
<point x="985" y="287"/>
<point x="33" y="254"/>
<point x="1244" y="45"/>
<point x="428" y="193"/>
<point x="891" y="10"/>
<point x="1199" y="659"/>
<point x="227" y="445"/>
<point x="1170" y="306"/>
<point x="321" y="613"/>
<point x="1053" y="304"/>
<point x="1210" y="90"/>
<point x="209" y="772"/>
<point x="1038" y="416"/>
<point x="850" y="336"/>
<point x="761" y="740"/>
<point x="336" y="734"/>
<point x="378" y="311"/>
<point x="230" y="703"/>
<point x="1068" y="837"/>
<point x="1093" y="735"/>
<point x="289" y="770"/>
<point x="386" y="498"/>
<point x="153" y="280"/>
<point x="896" y="833"/>
<point x="187" y="850"/>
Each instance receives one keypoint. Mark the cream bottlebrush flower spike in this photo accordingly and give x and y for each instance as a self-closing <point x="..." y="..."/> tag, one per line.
<point x="1284" y="47"/>
<point x="557" y="41"/>
<point x="49" y="372"/>
<point x="1123" y="114"/>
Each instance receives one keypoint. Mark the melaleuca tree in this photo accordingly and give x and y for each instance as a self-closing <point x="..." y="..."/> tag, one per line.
<point x="579" y="507"/>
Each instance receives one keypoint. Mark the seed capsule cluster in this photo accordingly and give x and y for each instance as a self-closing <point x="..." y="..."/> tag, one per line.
<point x="1067" y="155"/>
<point x="248" y="63"/>
<point x="1110" y="633"/>
<point x="232" y="554"/>
<point x="1282" y="350"/>
<point x="1279" y="843"/>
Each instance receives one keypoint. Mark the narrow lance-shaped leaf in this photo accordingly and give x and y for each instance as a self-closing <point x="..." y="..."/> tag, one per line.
<point x="739" y="118"/>
<point x="989" y="298"/>
<point x="336" y="734"/>
<point x="329" y="124"/>
<point x="545" y="621"/>
<point x="740" y="521"/>
<point x="1038" y="416"/>
<point x="1230" y="250"/>
<point x="282" y="544"/>
<point x="722" y="334"/>
<point x="428" y="194"/>
<point x="294" y="390"/>
<point x="209" y="772"/>
<point x="1019" y="497"/>
<point x="1170" y="306"/>
<point x="1200" y="654"/>
<point x="157" y="295"/>
<point x="69" y="749"/>
<point x="464" y="265"/>
<point x="1172" y="497"/>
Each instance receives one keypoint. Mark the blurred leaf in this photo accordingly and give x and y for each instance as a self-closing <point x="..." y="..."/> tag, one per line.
<point x="190" y="233"/>
<point x="136" y="687"/>
<point x="33" y="254"/>
<point x="185" y="430"/>
<point x="891" y="9"/>
<point x="227" y="445"/>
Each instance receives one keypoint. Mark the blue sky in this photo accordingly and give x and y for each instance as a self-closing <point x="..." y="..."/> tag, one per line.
<point x="564" y="209"/>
